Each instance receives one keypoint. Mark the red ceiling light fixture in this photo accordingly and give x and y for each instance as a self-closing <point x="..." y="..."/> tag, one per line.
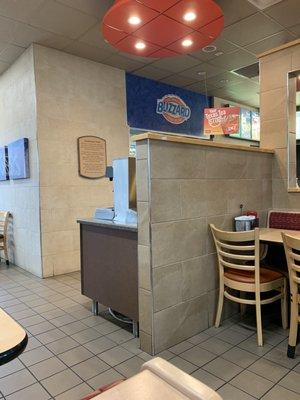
<point x="162" y="28"/>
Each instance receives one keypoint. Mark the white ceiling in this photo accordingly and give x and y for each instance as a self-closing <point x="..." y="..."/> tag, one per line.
<point x="74" y="27"/>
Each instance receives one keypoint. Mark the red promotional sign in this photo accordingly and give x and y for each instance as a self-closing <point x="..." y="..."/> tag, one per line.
<point x="221" y="121"/>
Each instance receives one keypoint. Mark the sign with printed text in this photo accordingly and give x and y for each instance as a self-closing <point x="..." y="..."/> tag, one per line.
<point x="156" y="106"/>
<point x="221" y="121"/>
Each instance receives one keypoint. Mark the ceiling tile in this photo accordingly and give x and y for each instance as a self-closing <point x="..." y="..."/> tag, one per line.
<point x="207" y="69"/>
<point x="7" y="27"/>
<point x="176" y="64"/>
<point x="60" y="19"/>
<point x="235" y="10"/>
<point x="295" y="29"/>
<point x="20" y="10"/>
<point x="86" y="51"/>
<point x="227" y="80"/>
<point x="94" y="37"/>
<point x="11" y="53"/>
<point x="24" y="35"/>
<point x="3" y="66"/>
<point x="121" y="62"/>
<point x="237" y="59"/>
<point x="270" y="42"/>
<point x="200" y="87"/>
<point x="222" y="46"/>
<point x="178" y="80"/>
<point x="152" y="73"/>
<point x="251" y="29"/>
<point x="286" y="12"/>
<point x="96" y="8"/>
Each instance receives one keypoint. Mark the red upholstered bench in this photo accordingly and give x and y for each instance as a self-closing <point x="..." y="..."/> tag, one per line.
<point x="284" y="220"/>
<point x="102" y="389"/>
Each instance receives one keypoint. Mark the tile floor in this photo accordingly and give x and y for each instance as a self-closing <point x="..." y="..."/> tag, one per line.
<point x="70" y="352"/>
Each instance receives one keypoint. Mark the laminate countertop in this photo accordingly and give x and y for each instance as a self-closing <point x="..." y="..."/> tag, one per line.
<point x="104" y="223"/>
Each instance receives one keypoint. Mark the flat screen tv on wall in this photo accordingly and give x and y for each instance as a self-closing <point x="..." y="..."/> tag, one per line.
<point x="18" y="159"/>
<point x="3" y="164"/>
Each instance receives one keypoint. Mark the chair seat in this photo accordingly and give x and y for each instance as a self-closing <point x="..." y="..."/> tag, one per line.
<point x="266" y="275"/>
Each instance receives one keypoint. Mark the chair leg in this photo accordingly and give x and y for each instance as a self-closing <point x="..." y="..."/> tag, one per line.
<point x="220" y="307"/>
<point x="293" y="328"/>
<point x="6" y="255"/>
<point x="284" y="305"/>
<point x="258" y="322"/>
<point x="243" y="307"/>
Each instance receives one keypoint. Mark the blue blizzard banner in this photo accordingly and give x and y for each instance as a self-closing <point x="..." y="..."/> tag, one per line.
<point x="155" y="106"/>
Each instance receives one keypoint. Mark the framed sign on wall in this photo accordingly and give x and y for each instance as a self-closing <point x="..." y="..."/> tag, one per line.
<point x="92" y="160"/>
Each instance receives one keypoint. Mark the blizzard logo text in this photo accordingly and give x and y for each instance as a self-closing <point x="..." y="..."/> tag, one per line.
<point x="173" y="109"/>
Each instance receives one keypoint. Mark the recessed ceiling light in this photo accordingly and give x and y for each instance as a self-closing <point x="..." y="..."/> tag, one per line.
<point x="190" y="16"/>
<point x="134" y="20"/>
<point x="209" y="49"/>
<point x="201" y="73"/>
<point x="224" y="81"/>
<point x="140" y="45"/>
<point x="187" y="43"/>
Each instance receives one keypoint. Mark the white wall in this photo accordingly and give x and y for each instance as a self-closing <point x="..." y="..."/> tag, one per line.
<point x="75" y="97"/>
<point x="21" y="197"/>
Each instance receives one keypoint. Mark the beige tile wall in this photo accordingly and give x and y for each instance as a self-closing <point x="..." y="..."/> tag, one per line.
<point x="275" y="132"/>
<point x="181" y="190"/>
<point x="75" y="97"/>
<point x="21" y="197"/>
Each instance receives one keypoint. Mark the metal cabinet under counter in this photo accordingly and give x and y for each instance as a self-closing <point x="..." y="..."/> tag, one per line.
<point x="109" y="267"/>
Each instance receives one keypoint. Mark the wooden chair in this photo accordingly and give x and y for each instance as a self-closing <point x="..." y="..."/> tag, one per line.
<point x="239" y="270"/>
<point x="292" y="251"/>
<point x="4" y="216"/>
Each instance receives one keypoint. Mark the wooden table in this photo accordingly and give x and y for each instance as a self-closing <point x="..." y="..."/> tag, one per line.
<point x="13" y="338"/>
<point x="272" y="235"/>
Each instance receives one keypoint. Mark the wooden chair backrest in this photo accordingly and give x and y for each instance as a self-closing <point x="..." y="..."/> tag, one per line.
<point x="4" y="215"/>
<point x="237" y="250"/>
<point x="292" y="252"/>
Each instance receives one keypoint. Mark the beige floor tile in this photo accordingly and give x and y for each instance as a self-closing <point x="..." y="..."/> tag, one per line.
<point x="16" y="381"/>
<point x="75" y="356"/>
<point x="115" y="356"/>
<point x="223" y="369"/>
<point x="181" y="347"/>
<point x="269" y="370"/>
<point x="229" y="392"/>
<point x="35" y="391"/>
<point x="280" y="393"/>
<point x="208" y="379"/>
<point x="47" y="368"/>
<point x="130" y="367"/>
<point x="75" y="393"/>
<point x="86" y="335"/>
<point x="291" y="381"/>
<point x="61" y="382"/>
<point x="240" y="357"/>
<point x="252" y="384"/>
<point x="35" y="356"/>
<point x="183" y="364"/>
<point x="90" y="368"/>
<point x="197" y="356"/>
<point x="215" y="346"/>
<point x="62" y="345"/>
<point x="100" y="345"/>
<point x="105" y="378"/>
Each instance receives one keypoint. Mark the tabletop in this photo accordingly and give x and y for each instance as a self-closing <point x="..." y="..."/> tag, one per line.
<point x="273" y="235"/>
<point x="13" y="338"/>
